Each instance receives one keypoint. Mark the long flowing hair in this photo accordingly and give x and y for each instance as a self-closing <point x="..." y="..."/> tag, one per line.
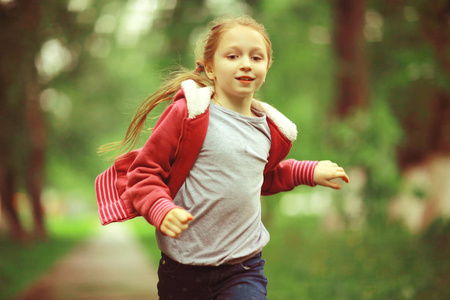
<point x="171" y="86"/>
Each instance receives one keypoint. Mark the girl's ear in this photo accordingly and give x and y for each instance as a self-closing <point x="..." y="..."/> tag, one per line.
<point x="210" y="72"/>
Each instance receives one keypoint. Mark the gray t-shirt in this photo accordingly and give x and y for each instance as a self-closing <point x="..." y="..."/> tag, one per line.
<point x="222" y="192"/>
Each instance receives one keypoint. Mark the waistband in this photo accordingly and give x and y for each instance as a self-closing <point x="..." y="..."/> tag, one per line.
<point x="234" y="262"/>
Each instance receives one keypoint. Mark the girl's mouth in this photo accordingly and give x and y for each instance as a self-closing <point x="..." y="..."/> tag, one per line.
<point x="245" y="79"/>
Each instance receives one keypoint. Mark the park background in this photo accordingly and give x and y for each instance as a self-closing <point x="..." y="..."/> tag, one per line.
<point x="366" y="82"/>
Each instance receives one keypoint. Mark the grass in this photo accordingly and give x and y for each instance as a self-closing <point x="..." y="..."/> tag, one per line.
<point x="21" y="264"/>
<point x="305" y="262"/>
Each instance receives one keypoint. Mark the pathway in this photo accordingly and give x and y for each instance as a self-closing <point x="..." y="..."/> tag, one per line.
<point x="110" y="266"/>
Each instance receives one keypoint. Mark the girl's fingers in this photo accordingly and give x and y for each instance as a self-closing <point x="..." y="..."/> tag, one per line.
<point x="190" y="217"/>
<point x="183" y="217"/>
<point x="326" y="171"/>
<point x="334" y="185"/>
<point x="178" y="227"/>
<point x="346" y="179"/>
<point x="171" y="228"/>
<point x="341" y="174"/>
<point x="171" y="234"/>
<point x="186" y="218"/>
<point x="171" y="231"/>
<point x="176" y="222"/>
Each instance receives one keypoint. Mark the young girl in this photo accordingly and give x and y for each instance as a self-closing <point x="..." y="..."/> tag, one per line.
<point x="199" y="177"/>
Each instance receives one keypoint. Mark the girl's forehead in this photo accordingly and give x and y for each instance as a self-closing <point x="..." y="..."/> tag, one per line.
<point x="239" y="35"/>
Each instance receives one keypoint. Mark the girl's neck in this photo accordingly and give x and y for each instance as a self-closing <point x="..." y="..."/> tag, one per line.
<point x="241" y="106"/>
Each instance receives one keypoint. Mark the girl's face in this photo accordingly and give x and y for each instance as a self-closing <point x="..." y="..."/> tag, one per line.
<point x="240" y="64"/>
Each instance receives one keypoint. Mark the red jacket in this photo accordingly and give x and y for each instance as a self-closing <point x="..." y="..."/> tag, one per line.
<point x="147" y="179"/>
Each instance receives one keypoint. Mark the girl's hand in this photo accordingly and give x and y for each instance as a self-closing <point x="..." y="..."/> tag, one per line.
<point x="175" y="222"/>
<point x="326" y="171"/>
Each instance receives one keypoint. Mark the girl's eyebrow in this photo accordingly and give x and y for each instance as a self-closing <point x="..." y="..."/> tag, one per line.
<point x="237" y="48"/>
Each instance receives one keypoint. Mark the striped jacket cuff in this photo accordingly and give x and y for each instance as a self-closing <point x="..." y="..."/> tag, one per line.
<point x="159" y="211"/>
<point x="304" y="172"/>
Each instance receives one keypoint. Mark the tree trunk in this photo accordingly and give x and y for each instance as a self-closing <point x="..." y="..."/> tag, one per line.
<point x="34" y="124"/>
<point x="435" y="18"/>
<point x="9" y="209"/>
<point x="10" y="113"/>
<point x="23" y="130"/>
<point x="35" y="171"/>
<point x="350" y="56"/>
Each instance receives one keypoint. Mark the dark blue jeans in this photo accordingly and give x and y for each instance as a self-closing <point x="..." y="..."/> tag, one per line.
<point x="244" y="281"/>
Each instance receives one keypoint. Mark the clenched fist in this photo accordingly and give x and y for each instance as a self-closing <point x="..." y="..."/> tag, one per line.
<point x="175" y="222"/>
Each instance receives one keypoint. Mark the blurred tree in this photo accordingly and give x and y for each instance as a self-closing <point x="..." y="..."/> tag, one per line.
<point x="351" y="64"/>
<point x="23" y="129"/>
<point x="364" y="129"/>
<point x="187" y="15"/>
<point x="435" y="107"/>
<point x="411" y="69"/>
<point x="407" y="44"/>
<point x="32" y="56"/>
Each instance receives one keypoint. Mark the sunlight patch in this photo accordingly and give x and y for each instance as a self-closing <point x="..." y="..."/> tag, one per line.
<point x="317" y="203"/>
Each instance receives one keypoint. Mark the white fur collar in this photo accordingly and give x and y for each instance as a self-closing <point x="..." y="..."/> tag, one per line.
<point x="198" y="99"/>
<point x="286" y="126"/>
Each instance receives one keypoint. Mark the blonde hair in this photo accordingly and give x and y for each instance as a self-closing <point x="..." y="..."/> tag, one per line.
<point x="171" y="86"/>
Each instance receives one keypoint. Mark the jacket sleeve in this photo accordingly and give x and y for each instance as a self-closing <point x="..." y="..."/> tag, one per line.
<point x="287" y="175"/>
<point x="148" y="175"/>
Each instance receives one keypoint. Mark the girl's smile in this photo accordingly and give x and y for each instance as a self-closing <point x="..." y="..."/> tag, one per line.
<point x="240" y="67"/>
<point x="245" y="79"/>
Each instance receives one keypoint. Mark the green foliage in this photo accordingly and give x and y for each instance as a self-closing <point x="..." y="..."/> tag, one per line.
<point x="304" y="262"/>
<point x="437" y="237"/>
<point x="369" y="139"/>
<point x="300" y="81"/>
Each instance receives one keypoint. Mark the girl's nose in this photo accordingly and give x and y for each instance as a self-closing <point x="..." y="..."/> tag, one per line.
<point x="246" y="65"/>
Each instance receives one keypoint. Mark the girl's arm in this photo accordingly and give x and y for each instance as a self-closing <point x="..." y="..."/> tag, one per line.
<point x="287" y="175"/>
<point x="290" y="173"/>
<point x="147" y="177"/>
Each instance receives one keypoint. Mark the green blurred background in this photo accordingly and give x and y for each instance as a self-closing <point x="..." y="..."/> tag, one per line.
<point x="366" y="82"/>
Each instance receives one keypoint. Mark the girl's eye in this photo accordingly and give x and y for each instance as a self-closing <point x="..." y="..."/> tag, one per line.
<point x="256" y="58"/>
<point x="232" y="56"/>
